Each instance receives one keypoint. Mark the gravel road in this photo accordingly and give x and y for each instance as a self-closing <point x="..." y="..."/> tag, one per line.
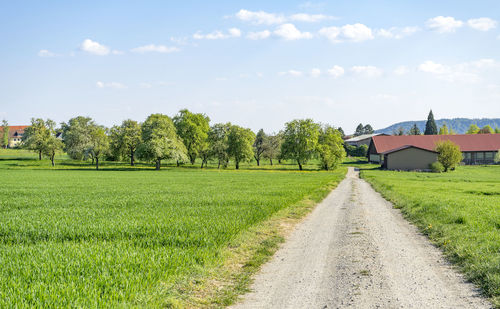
<point x="355" y="251"/>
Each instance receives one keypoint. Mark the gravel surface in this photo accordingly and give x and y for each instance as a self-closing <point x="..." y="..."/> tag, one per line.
<point x="356" y="251"/>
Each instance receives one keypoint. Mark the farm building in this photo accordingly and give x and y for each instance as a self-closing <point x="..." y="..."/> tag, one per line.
<point x="410" y="151"/>
<point x="360" y="140"/>
<point x="15" y="135"/>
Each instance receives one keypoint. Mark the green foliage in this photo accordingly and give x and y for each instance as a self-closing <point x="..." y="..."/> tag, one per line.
<point x="217" y="139"/>
<point x="449" y="154"/>
<point x="444" y="130"/>
<point x="160" y="141"/>
<point x="430" y="125"/>
<point x="259" y="145"/>
<point x="125" y="139"/>
<point x="362" y="130"/>
<point x="458" y="211"/>
<point x="98" y="145"/>
<point x="473" y="129"/>
<point x="300" y="140"/>
<point x="354" y="151"/>
<point x="330" y="148"/>
<point x="193" y="130"/>
<point x="414" y="130"/>
<point x="76" y="136"/>
<point x="486" y="130"/>
<point x="399" y="132"/>
<point x="130" y="238"/>
<point x="5" y="133"/>
<point x="497" y="130"/>
<point x="272" y="148"/>
<point x="497" y="157"/>
<point x="240" y="141"/>
<point x="35" y="136"/>
<point x="437" y="167"/>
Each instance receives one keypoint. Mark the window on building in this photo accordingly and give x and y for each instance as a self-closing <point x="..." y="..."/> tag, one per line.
<point x="467" y="155"/>
<point x="480" y="155"/>
<point x="489" y="155"/>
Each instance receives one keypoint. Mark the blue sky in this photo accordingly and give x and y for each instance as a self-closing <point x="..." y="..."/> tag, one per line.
<point x="257" y="64"/>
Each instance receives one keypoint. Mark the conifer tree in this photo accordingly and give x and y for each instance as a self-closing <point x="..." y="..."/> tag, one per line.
<point x="430" y="126"/>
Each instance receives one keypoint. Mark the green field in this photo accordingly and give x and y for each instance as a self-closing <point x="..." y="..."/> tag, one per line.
<point x="71" y="236"/>
<point x="459" y="211"/>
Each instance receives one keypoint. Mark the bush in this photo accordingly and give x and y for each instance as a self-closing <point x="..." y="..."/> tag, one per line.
<point x="437" y="167"/>
<point x="449" y="154"/>
<point x="497" y="157"/>
<point x="354" y="151"/>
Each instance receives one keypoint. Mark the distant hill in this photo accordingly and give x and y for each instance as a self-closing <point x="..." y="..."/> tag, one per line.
<point x="459" y="125"/>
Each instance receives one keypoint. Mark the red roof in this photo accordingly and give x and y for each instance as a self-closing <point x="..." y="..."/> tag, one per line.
<point x="466" y="142"/>
<point x="406" y="147"/>
<point x="14" y="129"/>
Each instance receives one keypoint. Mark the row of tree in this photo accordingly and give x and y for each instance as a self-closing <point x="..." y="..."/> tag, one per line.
<point x="185" y="138"/>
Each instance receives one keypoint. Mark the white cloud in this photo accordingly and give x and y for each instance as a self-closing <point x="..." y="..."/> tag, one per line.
<point x="155" y="48"/>
<point x="46" y="54"/>
<point x="444" y="24"/>
<point x="354" y="33"/>
<point x="467" y="72"/>
<point x="482" y="23"/>
<point x="260" y="35"/>
<point x="290" y="32"/>
<point x="315" y="72"/>
<point x="260" y="17"/>
<point x="144" y="85"/>
<point x="336" y="71"/>
<point x="94" y="48"/>
<point x="367" y="71"/>
<point x="114" y="85"/>
<point x="309" y="18"/>
<point x="293" y="73"/>
<point x="397" y="32"/>
<point x="218" y="35"/>
<point x="401" y="70"/>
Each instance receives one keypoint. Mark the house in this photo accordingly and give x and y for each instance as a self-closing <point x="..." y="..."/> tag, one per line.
<point x="364" y="139"/>
<point x="476" y="149"/>
<point x="15" y="135"/>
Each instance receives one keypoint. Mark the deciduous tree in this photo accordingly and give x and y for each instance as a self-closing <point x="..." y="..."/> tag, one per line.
<point x="273" y="147"/>
<point x="486" y="130"/>
<point x="259" y="145"/>
<point x="125" y="139"/>
<point x="193" y="130"/>
<point x="36" y="135"/>
<point x="330" y="148"/>
<point x="444" y="130"/>
<point x="359" y="130"/>
<point x="240" y="141"/>
<point x="98" y="145"/>
<point x="160" y="140"/>
<point x="414" y="130"/>
<point x="217" y="137"/>
<point x="449" y="154"/>
<point x="76" y="136"/>
<point x="367" y="129"/>
<point x="300" y="140"/>
<point x="5" y="134"/>
<point x="473" y="129"/>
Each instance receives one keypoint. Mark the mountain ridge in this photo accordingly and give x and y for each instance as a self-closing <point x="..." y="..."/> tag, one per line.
<point x="459" y="125"/>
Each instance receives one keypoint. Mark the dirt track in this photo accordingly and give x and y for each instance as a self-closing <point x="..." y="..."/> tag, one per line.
<point x="354" y="250"/>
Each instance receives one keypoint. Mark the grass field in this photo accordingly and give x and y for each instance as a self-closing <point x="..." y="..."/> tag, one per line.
<point x="459" y="211"/>
<point x="71" y="236"/>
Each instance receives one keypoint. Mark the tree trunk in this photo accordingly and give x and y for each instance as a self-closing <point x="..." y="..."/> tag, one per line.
<point x="237" y="165"/>
<point x="192" y="159"/>
<point x="132" y="159"/>
<point x="258" y="162"/>
<point x="271" y="160"/>
<point x="202" y="161"/>
<point x="40" y="155"/>
<point x="279" y="161"/>
<point x="92" y="160"/>
<point x="218" y="165"/>
<point x="158" y="163"/>
<point x="52" y="159"/>
<point x="96" y="163"/>
<point x="300" y="165"/>
<point x="178" y="164"/>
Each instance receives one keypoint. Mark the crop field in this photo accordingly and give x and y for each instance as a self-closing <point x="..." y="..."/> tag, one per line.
<point x="76" y="237"/>
<point x="459" y="211"/>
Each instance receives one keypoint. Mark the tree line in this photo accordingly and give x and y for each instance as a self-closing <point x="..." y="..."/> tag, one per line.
<point x="184" y="138"/>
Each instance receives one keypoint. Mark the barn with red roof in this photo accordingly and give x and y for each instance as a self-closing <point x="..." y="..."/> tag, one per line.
<point x="410" y="152"/>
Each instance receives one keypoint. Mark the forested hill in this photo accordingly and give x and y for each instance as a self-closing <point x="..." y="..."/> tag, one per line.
<point x="459" y="125"/>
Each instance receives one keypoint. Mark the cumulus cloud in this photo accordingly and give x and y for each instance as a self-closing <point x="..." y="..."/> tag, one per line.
<point x="482" y="23"/>
<point x="368" y="71"/>
<point x="46" y="53"/>
<point x="259" y="35"/>
<point x="336" y="71"/>
<point x="309" y="18"/>
<point x="467" y="72"/>
<point x="154" y="48"/>
<point x="218" y="35"/>
<point x="290" y="32"/>
<point x="94" y="48"/>
<point x="114" y="85"/>
<point x="293" y="73"/>
<point x="354" y="33"/>
<point x="444" y="24"/>
<point x="397" y="32"/>
<point x="315" y="72"/>
<point x="260" y="17"/>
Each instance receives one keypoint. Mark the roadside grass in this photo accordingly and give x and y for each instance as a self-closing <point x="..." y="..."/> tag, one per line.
<point x="459" y="211"/>
<point x="134" y="237"/>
